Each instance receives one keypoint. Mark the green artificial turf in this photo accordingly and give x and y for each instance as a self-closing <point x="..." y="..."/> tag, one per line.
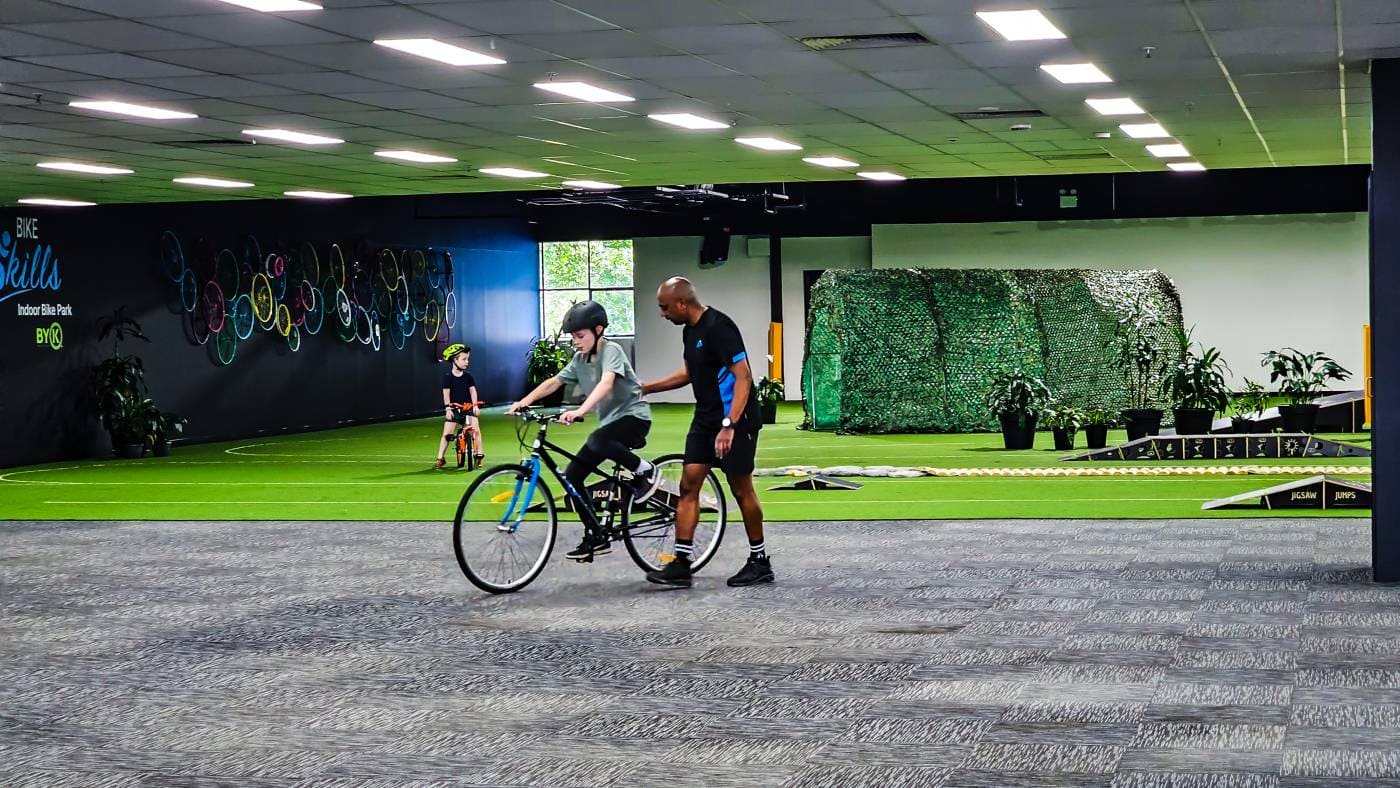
<point x="383" y="472"/>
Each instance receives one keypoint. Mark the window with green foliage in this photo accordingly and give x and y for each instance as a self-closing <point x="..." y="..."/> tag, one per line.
<point x="574" y="271"/>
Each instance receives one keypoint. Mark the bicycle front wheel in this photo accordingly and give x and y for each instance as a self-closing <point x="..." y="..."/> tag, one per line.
<point x="504" y="529"/>
<point x="649" y="528"/>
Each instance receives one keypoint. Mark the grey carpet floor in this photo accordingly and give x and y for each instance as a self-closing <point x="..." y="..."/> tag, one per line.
<point x="1133" y="655"/>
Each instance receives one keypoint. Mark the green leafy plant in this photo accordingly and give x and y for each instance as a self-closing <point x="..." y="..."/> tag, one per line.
<point x="1301" y="376"/>
<point x="1251" y="402"/>
<point x="1062" y="417"/>
<point x="1135" y="355"/>
<point x="167" y="425"/>
<point x="545" y="359"/>
<point x="770" y="392"/>
<point x="117" y="385"/>
<point x="1198" y="380"/>
<point x="1017" y="393"/>
<point x="1098" y="417"/>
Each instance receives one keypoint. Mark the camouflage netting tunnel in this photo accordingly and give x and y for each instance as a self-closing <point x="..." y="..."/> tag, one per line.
<point x="915" y="349"/>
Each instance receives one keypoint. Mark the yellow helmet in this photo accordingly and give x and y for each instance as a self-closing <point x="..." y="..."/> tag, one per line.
<point x="450" y="352"/>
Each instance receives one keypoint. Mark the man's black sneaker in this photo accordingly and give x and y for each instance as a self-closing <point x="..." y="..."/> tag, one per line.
<point x="643" y="485"/>
<point x="588" y="548"/>
<point x="755" y="571"/>
<point x="676" y="573"/>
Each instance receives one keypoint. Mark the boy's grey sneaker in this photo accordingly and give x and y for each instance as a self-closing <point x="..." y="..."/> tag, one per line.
<point x="643" y="485"/>
<point x="755" y="571"/>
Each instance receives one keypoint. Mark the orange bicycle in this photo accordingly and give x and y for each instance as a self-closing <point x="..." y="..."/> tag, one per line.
<point x="468" y="438"/>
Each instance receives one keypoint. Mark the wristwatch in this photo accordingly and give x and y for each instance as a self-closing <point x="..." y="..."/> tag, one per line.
<point x="726" y="424"/>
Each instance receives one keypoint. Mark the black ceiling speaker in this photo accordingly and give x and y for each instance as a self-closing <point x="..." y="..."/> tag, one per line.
<point x="714" y="249"/>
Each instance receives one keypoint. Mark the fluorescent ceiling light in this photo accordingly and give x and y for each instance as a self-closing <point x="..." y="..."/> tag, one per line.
<point x="878" y="175"/>
<point x="1115" y="106"/>
<point x="275" y="5"/>
<point x="1144" y="131"/>
<point x="440" y="51"/>
<point x="214" y="183"/>
<point x="591" y="185"/>
<point x="1187" y="166"/>
<point x="315" y="195"/>
<point x="688" y="121"/>
<point x="55" y="203"/>
<point x="414" y="156"/>
<point x="1172" y="151"/>
<point x="132" y="110"/>
<point x="766" y="143"/>
<point x="830" y="161"/>
<point x="285" y="135"/>
<point x="583" y="91"/>
<point x="513" y="172"/>
<point x="90" y="169"/>
<point x="1076" y="73"/>
<point x="1021" y="25"/>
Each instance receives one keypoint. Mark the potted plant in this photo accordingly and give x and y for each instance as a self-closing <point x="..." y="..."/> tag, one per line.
<point x="117" y="386"/>
<point x="1249" y="406"/>
<point x="1097" y="422"/>
<point x="1064" y="421"/>
<point x="165" y="426"/>
<point x="769" y="393"/>
<point x="1142" y="366"/>
<point x="1016" y="399"/>
<point x="1300" y="377"/>
<point x="544" y="361"/>
<point x="1196" y="387"/>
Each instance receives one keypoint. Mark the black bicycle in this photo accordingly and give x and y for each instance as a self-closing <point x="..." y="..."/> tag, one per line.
<point x="508" y="520"/>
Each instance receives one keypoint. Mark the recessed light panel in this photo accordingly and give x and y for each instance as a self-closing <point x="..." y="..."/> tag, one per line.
<point x="132" y="110"/>
<point x="86" y="169"/>
<point x="878" y="175"/>
<point x="767" y="143"/>
<point x="688" y="121"/>
<point x="286" y="135"/>
<point x="1115" y="106"/>
<point x="584" y="92"/>
<point x="54" y="203"/>
<point x="213" y="183"/>
<point x="1076" y="73"/>
<point x="1172" y="151"/>
<point x="414" y="156"/>
<point x="830" y="161"/>
<point x="1021" y="25"/>
<point x="1144" y="131"/>
<point x="513" y="172"/>
<point x="595" y="185"/>
<point x="1187" y="166"/>
<point x="315" y="195"/>
<point x="440" y="51"/>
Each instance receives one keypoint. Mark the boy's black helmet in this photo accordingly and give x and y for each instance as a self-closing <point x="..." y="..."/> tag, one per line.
<point x="585" y="315"/>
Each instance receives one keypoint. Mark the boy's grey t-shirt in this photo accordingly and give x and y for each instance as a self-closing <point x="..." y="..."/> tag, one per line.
<point x="625" y="399"/>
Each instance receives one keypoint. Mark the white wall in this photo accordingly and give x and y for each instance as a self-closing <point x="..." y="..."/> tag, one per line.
<point x="739" y="288"/>
<point x="1248" y="283"/>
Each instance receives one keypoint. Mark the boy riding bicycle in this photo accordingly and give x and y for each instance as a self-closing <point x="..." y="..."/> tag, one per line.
<point x="459" y="401"/>
<point x="601" y="368"/>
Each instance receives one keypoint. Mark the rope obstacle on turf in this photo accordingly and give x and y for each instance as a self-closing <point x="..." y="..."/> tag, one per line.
<point x="292" y="291"/>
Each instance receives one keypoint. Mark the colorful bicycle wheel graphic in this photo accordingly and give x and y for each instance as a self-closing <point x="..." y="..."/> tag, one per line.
<point x="264" y="305"/>
<point x="172" y="256"/>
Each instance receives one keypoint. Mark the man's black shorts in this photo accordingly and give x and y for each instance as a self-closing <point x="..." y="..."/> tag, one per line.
<point x="700" y="448"/>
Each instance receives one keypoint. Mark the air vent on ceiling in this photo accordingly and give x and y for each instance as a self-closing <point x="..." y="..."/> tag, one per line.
<point x="863" y="41"/>
<point x="1070" y="156"/>
<point x="997" y="114"/>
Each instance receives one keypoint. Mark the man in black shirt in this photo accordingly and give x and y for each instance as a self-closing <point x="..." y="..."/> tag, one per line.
<point x="723" y="432"/>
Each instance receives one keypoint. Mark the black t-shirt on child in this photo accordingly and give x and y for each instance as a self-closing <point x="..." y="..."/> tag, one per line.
<point x="711" y="346"/>
<point x="461" y="387"/>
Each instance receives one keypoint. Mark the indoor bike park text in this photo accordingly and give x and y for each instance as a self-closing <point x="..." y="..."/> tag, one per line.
<point x="26" y="266"/>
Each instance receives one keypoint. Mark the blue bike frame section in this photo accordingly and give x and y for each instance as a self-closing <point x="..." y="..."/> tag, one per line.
<point x="529" y="495"/>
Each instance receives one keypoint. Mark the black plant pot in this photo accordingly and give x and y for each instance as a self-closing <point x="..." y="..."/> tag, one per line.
<point x="1096" y="436"/>
<point x="1299" y="418"/>
<point x="1142" y="422"/>
<point x="1064" y="439"/>
<point x="1017" y="431"/>
<point x="160" y="449"/>
<point x="1193" y="421"/>
<point x="130" y="451"/>
<point x="770" y="412"/>
<point x="1245" y="426"/>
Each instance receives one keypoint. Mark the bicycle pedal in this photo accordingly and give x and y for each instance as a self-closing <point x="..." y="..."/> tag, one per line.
<point x="584" y="559"/>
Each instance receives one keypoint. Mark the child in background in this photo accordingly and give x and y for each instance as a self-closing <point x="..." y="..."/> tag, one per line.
<point x="459" y="388"/>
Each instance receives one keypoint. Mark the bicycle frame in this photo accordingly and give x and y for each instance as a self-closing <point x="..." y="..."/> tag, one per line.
<point x="539" y="456"/>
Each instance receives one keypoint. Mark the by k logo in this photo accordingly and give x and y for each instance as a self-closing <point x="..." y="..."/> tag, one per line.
<point x="51" y="336"/>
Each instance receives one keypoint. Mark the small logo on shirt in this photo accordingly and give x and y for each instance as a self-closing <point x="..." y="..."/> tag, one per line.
<point x="699" y="343"/>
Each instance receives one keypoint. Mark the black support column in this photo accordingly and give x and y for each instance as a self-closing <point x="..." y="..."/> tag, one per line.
<point x="1385" y="317"/>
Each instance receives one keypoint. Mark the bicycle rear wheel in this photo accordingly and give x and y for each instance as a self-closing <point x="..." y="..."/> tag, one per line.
<point x="649" y="528"/>
<point x="504" y="530"/>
